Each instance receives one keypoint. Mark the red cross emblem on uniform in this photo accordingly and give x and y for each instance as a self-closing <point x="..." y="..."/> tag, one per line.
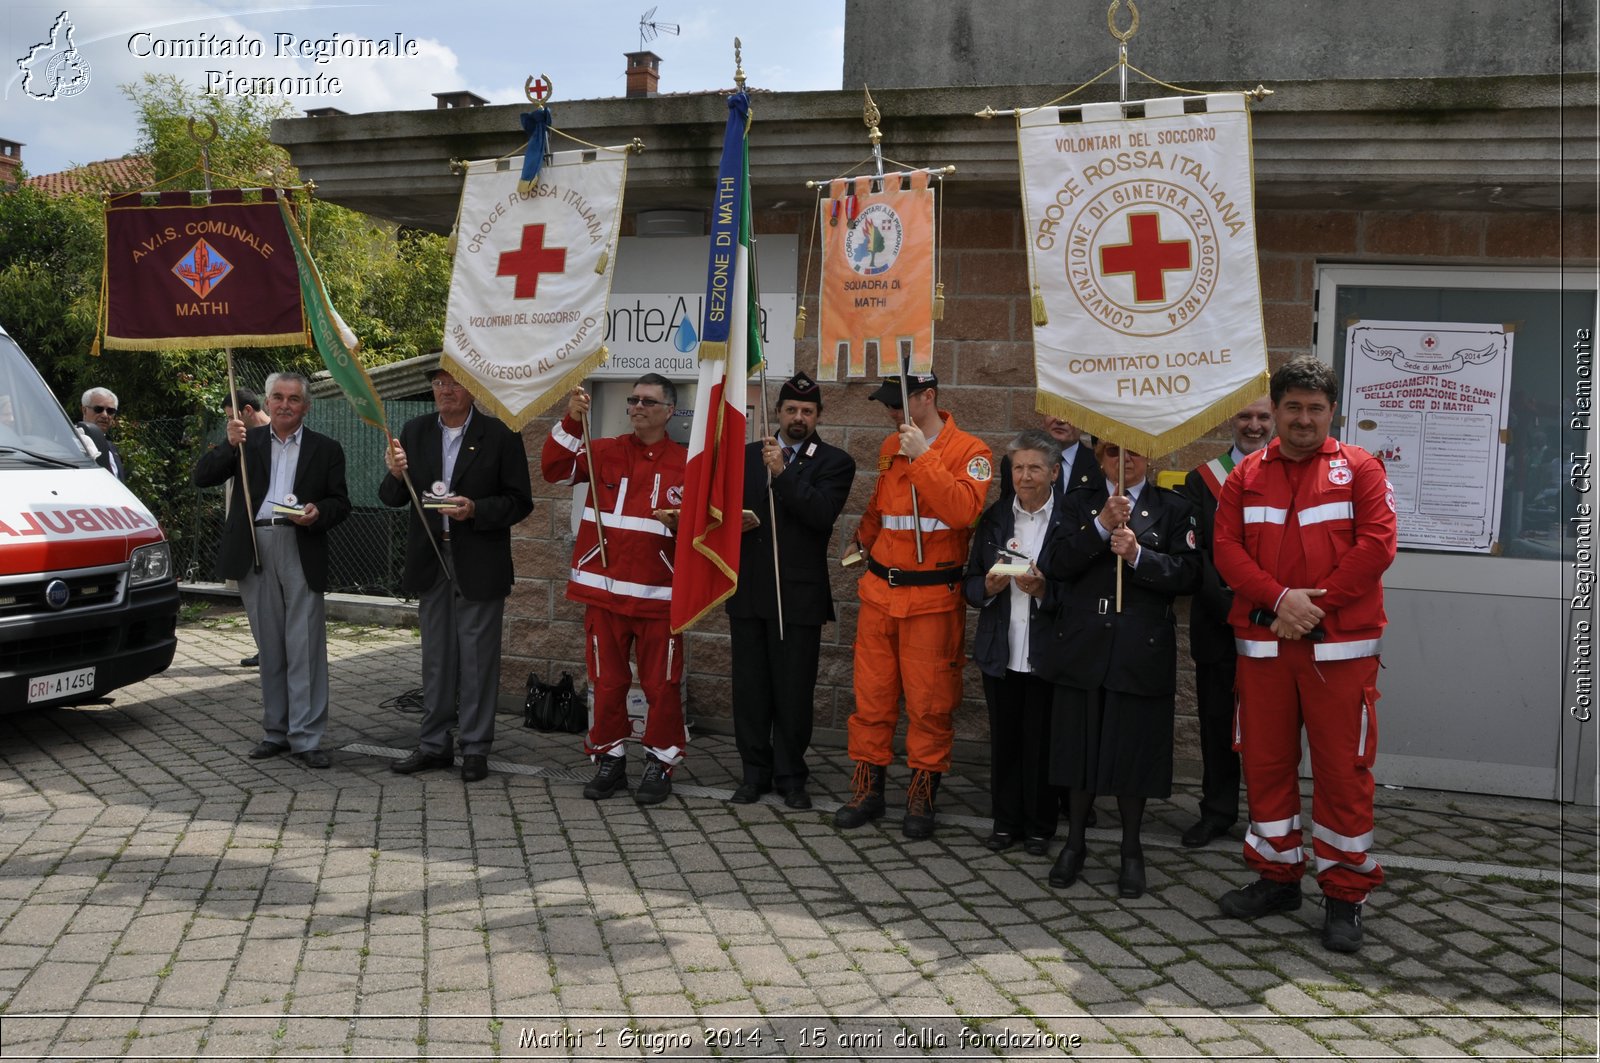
<point x="527" y="262"/>
<point x="1146" y="257"/>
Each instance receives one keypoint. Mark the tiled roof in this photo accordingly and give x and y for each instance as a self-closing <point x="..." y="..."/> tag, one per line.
<point x="108" y="175"/>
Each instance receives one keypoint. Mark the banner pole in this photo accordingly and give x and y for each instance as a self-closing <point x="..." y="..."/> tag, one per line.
<point x="1122" y="472"/>
<point x="772" y="505"/>
<point x="594" y="493"/>
<point x="244" y="474"/>
<point x="905" y="405"/>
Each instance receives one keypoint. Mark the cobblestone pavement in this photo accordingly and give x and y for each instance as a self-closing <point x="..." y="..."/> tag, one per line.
<point x="162" y="897"/>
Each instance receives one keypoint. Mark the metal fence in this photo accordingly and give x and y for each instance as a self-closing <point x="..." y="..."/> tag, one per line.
<point x="365" y="553"/>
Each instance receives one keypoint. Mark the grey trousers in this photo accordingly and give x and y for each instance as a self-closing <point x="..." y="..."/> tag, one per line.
<point x="460" y="667"/>
<point x="287" y="619"/>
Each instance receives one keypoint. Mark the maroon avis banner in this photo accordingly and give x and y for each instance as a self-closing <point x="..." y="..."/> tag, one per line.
<point x="181" y="275"/>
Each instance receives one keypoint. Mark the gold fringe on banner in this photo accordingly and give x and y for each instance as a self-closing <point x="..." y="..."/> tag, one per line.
<point x="1154" y="446"/>
<point x="199" y="343"/>
<point x="711" y="352"/>
<point x="558" y="390"/>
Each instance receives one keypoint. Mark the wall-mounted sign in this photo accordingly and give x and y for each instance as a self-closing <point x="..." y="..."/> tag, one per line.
<point x="1430" y="398"/>
<point x="654" y="321"/>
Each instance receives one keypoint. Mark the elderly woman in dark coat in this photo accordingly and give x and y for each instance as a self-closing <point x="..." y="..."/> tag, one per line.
<point x="1012" y="532"/>
<point x="1116" y="669"/>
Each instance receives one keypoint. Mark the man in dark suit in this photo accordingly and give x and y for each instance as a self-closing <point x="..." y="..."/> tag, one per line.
<point x="474" y="470"/>
<point x="1211" y="637"/>
<point x="296" y="495"/>
<point x="774" y="678"/>
<point x="100" y="409"/>
<point x="1078" y="466"/>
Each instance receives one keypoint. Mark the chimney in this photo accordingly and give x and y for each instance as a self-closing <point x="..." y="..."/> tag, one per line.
<point x="10" y="162"/>
<point x="463" y="98"/>
<point x="644" y="74"/>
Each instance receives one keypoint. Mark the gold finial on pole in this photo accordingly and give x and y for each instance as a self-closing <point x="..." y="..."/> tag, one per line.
<point x="738" y="64"/>
<point x="870" y="116"/>
<point x="1124" y="36"/>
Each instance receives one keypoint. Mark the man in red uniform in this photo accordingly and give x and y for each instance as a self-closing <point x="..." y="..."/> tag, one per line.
<point x="638" y="483"/>
<point x="909" y="630"/>
<point x="1305" y="529"/>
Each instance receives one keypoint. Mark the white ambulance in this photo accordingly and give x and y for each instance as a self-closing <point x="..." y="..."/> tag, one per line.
<point x="88" y="598"/>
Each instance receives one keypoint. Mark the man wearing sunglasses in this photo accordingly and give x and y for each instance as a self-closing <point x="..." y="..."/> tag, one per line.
<point x="100" y="410"/>
<point x="626" y="590"/>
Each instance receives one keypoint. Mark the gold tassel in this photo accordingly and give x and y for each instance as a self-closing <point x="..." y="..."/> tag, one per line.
<point x="450" y="244"/>
<point x="1039" y="315"/>
<point x="938" y="301"/>
<point x="800" y="322"/>
<point x="94" y="348"/>
<point x="600" y="266"/>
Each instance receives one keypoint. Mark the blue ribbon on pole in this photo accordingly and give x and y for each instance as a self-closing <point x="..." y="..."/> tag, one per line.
<point x="537" y="124"/>
<point x="726" y="208"/>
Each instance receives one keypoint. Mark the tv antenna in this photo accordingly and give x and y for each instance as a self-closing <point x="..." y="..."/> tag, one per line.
<point x="650" y="29"/>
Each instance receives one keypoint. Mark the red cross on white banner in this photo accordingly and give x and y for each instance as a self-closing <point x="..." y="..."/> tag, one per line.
<point x="1147" y="257"/>
<point x="527" y="262"/>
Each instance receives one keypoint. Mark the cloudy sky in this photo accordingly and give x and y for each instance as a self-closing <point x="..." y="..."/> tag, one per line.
<point x="487" y="47"/>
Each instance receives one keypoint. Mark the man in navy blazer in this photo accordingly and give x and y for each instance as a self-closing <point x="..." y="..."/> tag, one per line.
<point x="473" y="471"/>
<point x="297" y="493"/>
<point x="774" y="679"/>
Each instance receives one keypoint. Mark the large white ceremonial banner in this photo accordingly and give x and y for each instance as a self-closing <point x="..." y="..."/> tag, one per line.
<point x="1142" y="246"/>
<point x="526" y="318"/>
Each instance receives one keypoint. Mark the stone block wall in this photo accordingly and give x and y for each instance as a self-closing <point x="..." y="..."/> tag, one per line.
<point x="983" y="356"/>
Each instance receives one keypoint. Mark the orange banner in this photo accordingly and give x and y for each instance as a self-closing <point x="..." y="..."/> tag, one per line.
<point x="877" y="277"/>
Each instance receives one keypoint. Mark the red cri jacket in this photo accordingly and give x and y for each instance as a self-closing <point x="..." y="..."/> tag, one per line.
<point x="952" y="481"/>
<point x="633" y="480"/>
<point x="1344" y="518"/>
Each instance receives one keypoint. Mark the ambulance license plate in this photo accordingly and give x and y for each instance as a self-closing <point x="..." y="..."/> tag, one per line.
<point x="60" y="685"/>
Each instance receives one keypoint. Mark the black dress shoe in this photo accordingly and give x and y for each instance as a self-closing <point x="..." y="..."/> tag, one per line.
<point x="421" y="760"/>
<point x="1035" y="846"/>
<point x="314" y="758"/>
<point x="748" y="793"/>
<point x="797" y="799"/>
<point x="252" y="661"/>
<point x="264" y="749"/>
<point x="999" y="841"/>
<point x="1203" y="831"/>
<point x="1130" y="881"/>
<point x="1068" y="865"/>
<point x="474" y="766"/>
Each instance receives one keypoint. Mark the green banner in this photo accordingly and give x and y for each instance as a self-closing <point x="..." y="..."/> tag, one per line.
<point x="331" y="336"/>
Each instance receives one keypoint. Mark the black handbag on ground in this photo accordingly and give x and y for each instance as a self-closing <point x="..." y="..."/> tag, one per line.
<point x="555" y="707"/>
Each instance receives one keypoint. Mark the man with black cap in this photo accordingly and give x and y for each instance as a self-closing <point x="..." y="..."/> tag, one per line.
<point x="472" y="469"/>
<point x="932" y="481"/>
<point x="775" y="667"/>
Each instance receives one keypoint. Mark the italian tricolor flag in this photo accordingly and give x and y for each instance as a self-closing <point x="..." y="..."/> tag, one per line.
<point x="709" y="527"/>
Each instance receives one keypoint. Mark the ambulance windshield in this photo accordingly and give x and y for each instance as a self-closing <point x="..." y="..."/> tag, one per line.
<point x="33" y="429"/>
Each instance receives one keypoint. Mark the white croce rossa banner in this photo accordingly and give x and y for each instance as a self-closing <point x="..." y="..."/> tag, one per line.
<point x="527" y="310"/>
<point x="1142" y="244"/>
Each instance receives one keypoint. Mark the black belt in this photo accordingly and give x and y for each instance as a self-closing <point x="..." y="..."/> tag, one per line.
<point x="1108" y="607"/>
<point x="915" y="577"/>
<point x="272" y="522"/>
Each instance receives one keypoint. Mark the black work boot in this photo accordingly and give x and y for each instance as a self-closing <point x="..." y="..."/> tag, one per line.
<point x="924" y="788"/>
<point x="866" y="804"/>
<point x="1341" y="925"/>
<point x="1262" y="897"/>
<point x="610" y="778"/>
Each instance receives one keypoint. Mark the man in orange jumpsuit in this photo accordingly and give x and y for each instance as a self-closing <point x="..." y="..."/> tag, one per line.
<point x="909" y="630"/>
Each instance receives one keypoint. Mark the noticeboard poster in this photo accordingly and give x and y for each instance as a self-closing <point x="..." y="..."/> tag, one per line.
<point x="1431" y="399"/>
